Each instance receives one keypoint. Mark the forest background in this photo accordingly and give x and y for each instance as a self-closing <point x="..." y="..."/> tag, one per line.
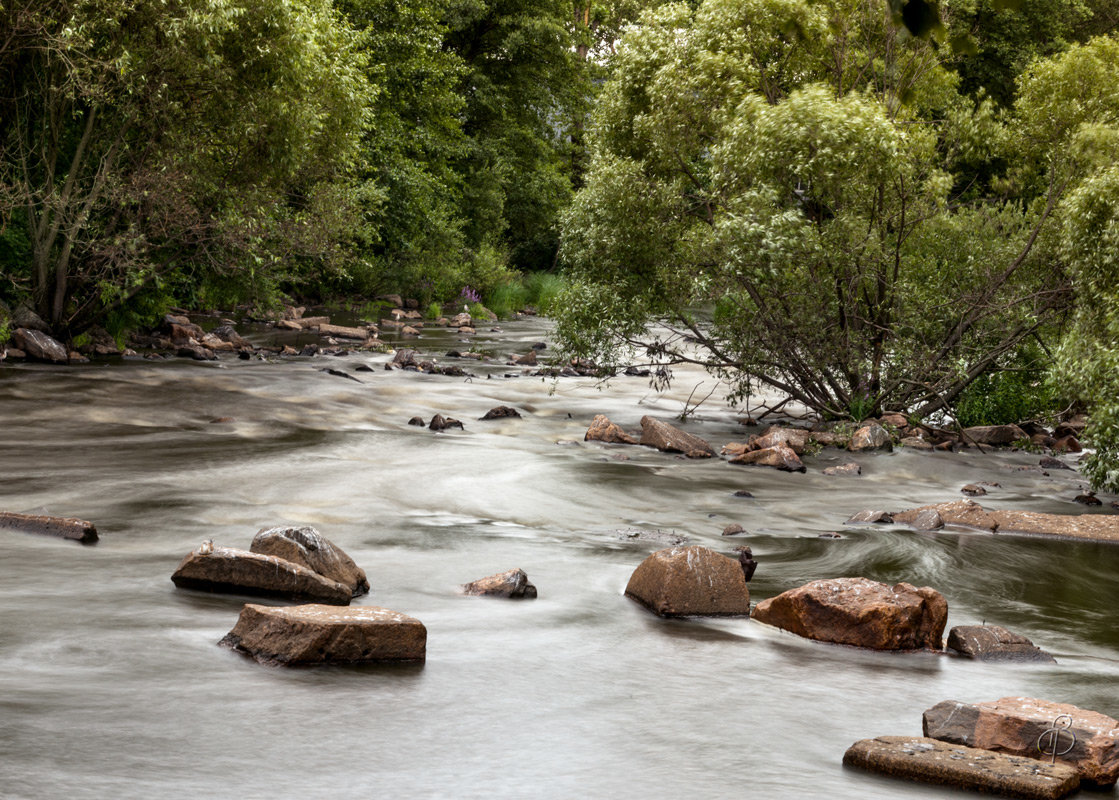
<point x="870" y="205"/>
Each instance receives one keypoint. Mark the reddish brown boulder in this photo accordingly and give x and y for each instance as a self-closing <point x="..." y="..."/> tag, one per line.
<point x="669" y="439"/>
<point x="860" y="612"/>
<point x="67" y="527"/>
<point x="961" y="513"/>
<point x="1015" y="724"/>
<point x="969" y="514"/>
<point x="779" y="457"/>
<point x="930" y="761"/>
<point x="690" y="581"/>
<point x="325" y="634"/>
<point x="871" y="436"/>
<point x="512" y="583"/>
<point x="603" y="430"/>
<point x="241" y="572"/>
<point x="994" y="643"/>
<point x="309" y="548"/>
<point x="796" y="439"/>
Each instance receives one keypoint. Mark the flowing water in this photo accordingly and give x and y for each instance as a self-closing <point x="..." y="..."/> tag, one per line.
<point x="112" y="683"/>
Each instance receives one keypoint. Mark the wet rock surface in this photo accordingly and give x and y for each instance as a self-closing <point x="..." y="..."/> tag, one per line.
<point x="995" y="643"/>
<point x="513" y="583"/>
<point x="232" y="571"/>
<point x="38" y="346"/>
<point x="870" y="437"/>
<point x="603" y="430"/>
<point x="670" y="439"/>
<point x="860" y="612"/>
<point x="326" y="634"/>
<point x="79" y="530"/>
<point x="1014" y="725"/>
<point x="779" y="457"/>
<point x="690" y="581"/>
<point x="969" y="514"/>
<point x="927" y="760"/>
<point x="309" y="548"/>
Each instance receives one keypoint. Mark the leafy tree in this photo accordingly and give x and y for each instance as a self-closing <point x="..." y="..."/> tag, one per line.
<point x="145" y="145"/>
<point x="791" y="166"/>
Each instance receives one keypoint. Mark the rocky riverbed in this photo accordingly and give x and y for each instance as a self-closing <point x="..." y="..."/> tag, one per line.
<point x="579" y="691"/>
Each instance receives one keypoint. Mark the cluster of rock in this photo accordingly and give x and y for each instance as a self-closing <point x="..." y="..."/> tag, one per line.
<point x="970" y="515"/>
<point x="1015" y="746"/>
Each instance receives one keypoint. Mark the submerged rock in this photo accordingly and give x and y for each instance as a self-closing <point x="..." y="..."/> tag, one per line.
<point x="969" y="514"/>
<point x="994" y="643"/>
<point x="308" y="547"/>
<point x="930" y="761"/>
<point x="502" y="412"/>
<point x="670" y="439"/>
<point x="512" y="583"/>
<point x="232" y="571"/>
<point x="78" y="530"/>
<point x="844" y="469"/>
<point x="1015" y="724"/>
<point x="690" y="581"/>
<point x="441" y="423"/>
<point x="326" y="634"/>
<point x="860" y="612"/>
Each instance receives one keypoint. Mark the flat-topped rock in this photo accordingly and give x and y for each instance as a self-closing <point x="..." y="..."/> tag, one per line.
<point x="670" y="439"/>
<point x="233" y="571"/>
<point x="327" y="634"/>
<point x="1014" y="724"/>
<point x="79" y="530"/>
<point x="308" y="547"/>
<point x="995" y="643"/>
<point x="997" y="435"/>
<point x="690" y="581"/>
<point x="925" y="760"/>
<point x="969" y="514"/>
<point x="603" y="430"/>
<point x="860" y="612"/>
<point x="511" y="583"/>
<point x="343" y="332"/>
<point x="779" y="457"/>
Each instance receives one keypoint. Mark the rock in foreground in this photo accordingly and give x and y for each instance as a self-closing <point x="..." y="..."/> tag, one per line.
<point x="325" y="634"/>
<point x="994" y="643"/>
<point x="1015" y="724"/>
<point x="860" y="612"/>
<point x="669" y="439"/>
<point x="690" y="581"/>
<point x="67" y="527"/>
<point x="241" y="572"/>
<point x="929" y="761"/>
<point x="512" y="583"/>
<point x="309" y="548"/>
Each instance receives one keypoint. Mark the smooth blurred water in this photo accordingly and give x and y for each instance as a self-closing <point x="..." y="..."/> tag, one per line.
<point x="112" y="684"/>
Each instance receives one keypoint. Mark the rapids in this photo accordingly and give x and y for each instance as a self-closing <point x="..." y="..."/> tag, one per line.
<point x="112" y="684"/>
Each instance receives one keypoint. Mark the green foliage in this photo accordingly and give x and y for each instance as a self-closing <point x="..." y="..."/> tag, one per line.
<point x="434" y="311"/>
<point x="791" y="166"/>
<point x="543" y="290"/>
<point x="1021" y="391"/>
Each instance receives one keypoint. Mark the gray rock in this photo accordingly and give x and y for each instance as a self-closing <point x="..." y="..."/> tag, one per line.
<point x="927" y="520"/>
<point x="227" y="570"/>
<point x="38" y="346"/>
<point x="870" y="516"/>
<point x="994" y="643"/>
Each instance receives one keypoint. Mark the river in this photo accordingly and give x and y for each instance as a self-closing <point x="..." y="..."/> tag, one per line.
<point x="112" y="684"/>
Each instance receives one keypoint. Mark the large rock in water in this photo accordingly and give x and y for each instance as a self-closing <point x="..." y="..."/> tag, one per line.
<point x="779" y="457"/>
<point x="1015" y="724"/>
<point x="308" y="547"/>
<point x="860" y="612"/>
<point x="39" y="346"/>
<point x="995" y="434"/>
<point x="67" y="527"/>
<point x="603" y="430"/>
<point x="690" y="581"/>
<point x="325" y="634"/>
<point x="241" y="572"/>
<point x="969" y="514"/>
<point x="669" y="439"/>
<point x="930" y="761"/>
<point x="512" y="583"/>
<point x="994" y="643"/>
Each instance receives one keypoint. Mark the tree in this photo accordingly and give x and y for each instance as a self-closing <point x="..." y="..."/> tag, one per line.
<point x="789" y="167"/>
<point x="144" y="144"/>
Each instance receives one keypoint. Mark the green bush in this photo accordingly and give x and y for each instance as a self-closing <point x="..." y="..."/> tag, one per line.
<point x="1023" y="391"/>
<point x="543" y="290"/>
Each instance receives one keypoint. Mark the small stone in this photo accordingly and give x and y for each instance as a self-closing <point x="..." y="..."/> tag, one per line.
<point x="1088" y="500"/>
<point x="973" y="490"/>
<point x="513" y="583"/>
<point x="733" y="529"/>
<point x="441" y="423"/>
<point x="1048" y="462"/>
<point x="502" y="412"/>
<point x="418" y="421"/>
<point x="743" y="493"/>
<point x="844" y="469"/>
